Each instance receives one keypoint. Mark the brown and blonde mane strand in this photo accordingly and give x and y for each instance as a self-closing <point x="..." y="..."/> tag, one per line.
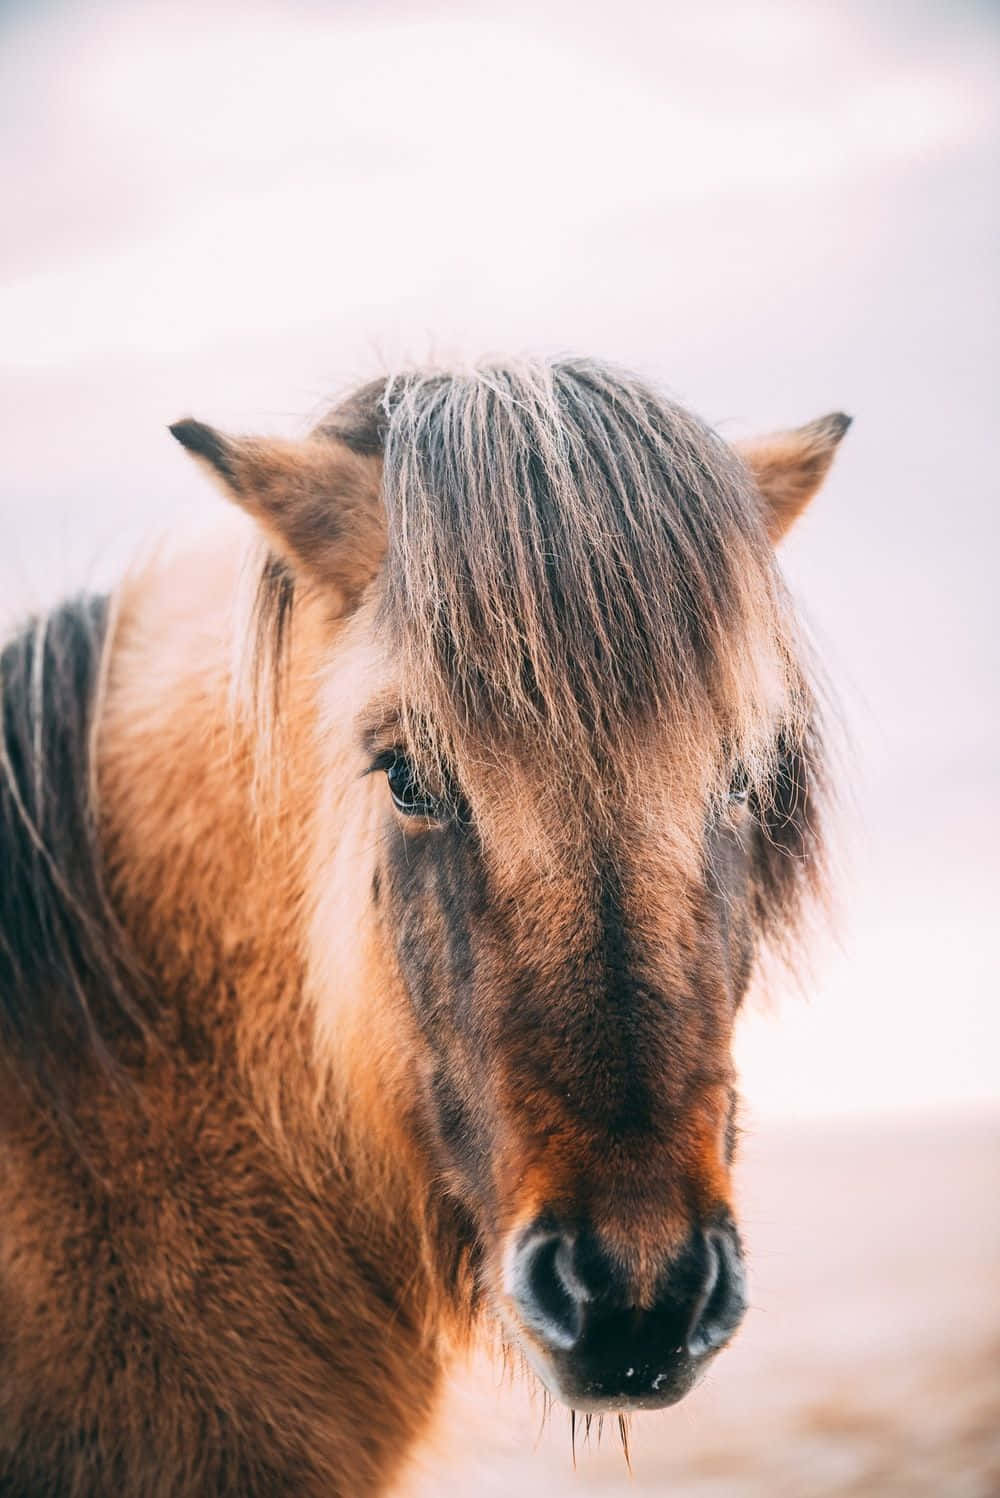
<point x="569" y="558"/>
<point x="270" y="629"/>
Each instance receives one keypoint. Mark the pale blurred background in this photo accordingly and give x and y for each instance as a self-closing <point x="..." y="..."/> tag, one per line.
<point x="774" y="210"/>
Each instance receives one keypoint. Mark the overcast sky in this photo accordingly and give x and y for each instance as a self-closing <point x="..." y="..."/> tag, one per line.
<point x="774" y="210"/>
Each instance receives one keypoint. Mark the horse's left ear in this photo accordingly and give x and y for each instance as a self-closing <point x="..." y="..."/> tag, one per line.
<point x="789" y="467"/>
<point x="318" y="502"/>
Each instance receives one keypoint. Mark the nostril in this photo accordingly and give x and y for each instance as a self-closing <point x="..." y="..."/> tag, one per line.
<point x="549" y="1295"/>
<point x="721" y="1302"/>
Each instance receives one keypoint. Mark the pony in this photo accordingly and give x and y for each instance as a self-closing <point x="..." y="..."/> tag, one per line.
<point x="383" y="873"/>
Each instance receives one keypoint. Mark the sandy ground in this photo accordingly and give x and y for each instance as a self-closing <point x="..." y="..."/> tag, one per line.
<point x="869" y="1365"/>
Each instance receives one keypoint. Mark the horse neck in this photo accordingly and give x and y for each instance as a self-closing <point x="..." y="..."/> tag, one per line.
<point x="215" y="872"/>
<point x="211" y="857"/>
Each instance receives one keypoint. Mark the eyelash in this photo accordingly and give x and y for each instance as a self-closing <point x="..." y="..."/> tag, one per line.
<point x="409" y="797"/>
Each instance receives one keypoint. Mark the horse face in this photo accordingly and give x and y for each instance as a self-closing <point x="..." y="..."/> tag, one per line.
<point x="575" y="993"/>
<point x="559" y="549"/>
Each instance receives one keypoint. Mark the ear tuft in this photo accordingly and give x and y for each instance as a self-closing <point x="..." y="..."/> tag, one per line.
<point x="205" y="442"/>
<point x="789" y="467"/>
<point x="827" y="428"/>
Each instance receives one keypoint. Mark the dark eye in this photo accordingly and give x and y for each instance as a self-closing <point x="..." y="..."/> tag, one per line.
<point x="408" y="795"/>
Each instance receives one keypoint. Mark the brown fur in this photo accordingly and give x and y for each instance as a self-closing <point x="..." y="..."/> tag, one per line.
<point x="372" y="1047"/>
<point x="788" y="467"/>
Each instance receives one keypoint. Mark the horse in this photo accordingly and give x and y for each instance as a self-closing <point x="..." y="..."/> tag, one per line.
<point x="383" y="872"/>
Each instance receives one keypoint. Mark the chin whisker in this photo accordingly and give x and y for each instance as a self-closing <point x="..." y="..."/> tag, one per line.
<point x="623" y="1431"/>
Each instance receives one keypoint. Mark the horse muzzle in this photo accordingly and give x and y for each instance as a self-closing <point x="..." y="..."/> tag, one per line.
<point x="596" y="1350"/>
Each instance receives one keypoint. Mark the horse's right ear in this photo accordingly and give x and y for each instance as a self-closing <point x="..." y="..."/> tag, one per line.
<point x="318" y="502"/>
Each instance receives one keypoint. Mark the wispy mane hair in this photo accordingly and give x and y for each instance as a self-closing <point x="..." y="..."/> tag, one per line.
<point x="571" y="558"/>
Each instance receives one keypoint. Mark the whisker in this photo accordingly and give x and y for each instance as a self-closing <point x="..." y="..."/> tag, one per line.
<point x="623" y="1427"/>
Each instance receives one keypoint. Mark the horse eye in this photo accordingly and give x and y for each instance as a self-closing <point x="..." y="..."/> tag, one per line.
<point x="408" y="795"/>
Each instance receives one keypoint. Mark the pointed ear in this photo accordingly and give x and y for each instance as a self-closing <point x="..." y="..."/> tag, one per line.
<point x="317" y="501"/>
<point x="788" y="467"/>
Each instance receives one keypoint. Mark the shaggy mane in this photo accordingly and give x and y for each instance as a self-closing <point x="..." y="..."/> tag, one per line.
<point x="572" y="558"/>
<point x="68" y="978"/>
